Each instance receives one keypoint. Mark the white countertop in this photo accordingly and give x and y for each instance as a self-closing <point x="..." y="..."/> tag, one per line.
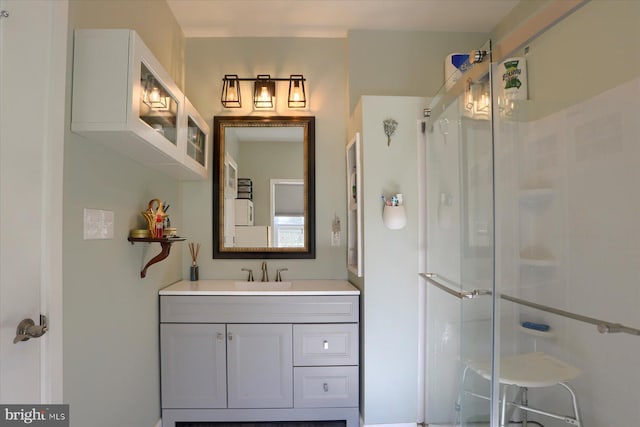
<point x="228" y="287"/>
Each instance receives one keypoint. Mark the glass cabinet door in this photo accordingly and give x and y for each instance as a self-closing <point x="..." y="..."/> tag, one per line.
<point x="158" y="106"/>
<point x="196" y="142"/>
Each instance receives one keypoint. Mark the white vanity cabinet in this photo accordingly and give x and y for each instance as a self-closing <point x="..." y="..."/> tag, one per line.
<point x="122" y="97"/>
<point x="250" y="358"/>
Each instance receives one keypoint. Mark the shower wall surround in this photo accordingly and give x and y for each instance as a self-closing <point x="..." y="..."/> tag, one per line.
<point x="566" y="216"/>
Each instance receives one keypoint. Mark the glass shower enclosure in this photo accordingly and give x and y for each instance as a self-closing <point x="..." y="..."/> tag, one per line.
<point x="532" y="232"/>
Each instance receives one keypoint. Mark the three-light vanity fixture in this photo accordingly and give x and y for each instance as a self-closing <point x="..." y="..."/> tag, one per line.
<point x="264" y="91"/>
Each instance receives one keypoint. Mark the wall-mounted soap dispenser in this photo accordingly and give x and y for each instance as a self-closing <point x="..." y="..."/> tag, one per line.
<point x="394" y="215"/>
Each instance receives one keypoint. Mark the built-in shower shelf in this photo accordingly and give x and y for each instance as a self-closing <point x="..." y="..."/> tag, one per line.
<point x="534" y="197"/>
<point x="537" y="257"/>
<point x="544" y="334"/>
<point x="538" y="262"/>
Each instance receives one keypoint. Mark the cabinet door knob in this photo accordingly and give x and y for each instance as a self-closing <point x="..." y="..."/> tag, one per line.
<point x="220" y="337"/>
<point x="230" y="336"/>
<point x="325" y="345"/>
<point x="325" y="387"/>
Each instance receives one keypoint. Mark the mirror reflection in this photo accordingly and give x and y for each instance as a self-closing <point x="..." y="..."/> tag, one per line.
<point x="264" y="205"/>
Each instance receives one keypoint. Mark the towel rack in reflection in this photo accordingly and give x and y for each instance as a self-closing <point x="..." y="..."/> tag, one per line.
<point x="604" y="327"/>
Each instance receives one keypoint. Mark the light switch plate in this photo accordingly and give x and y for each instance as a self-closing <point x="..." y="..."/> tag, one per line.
<point x="98" y="224"/>
<point x="335" y="231"/>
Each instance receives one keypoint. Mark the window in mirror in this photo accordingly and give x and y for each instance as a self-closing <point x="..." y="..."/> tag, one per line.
<point x="287" y="212"/>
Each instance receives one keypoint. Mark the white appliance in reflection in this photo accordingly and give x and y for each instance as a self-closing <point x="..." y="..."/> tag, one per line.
<point x="243" y="212"/>
<point x="257" y="236"/>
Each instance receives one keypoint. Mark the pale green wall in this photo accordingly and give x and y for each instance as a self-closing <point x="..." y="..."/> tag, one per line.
<point x="111" y="366"/>
<point x="598" y="33"/>
<point x="402" y="63"/>
<point x="323" y="63"/>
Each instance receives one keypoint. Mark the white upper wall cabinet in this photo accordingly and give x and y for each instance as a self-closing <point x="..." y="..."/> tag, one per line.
<point x="124" y="98"/>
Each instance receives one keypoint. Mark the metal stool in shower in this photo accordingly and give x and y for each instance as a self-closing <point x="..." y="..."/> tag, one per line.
<point x="528" y="371"/>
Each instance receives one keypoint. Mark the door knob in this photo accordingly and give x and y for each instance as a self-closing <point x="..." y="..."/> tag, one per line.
<point x="28" y="329"/>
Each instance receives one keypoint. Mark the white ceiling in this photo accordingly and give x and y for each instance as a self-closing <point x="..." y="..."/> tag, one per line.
<point x="333" y="18"/>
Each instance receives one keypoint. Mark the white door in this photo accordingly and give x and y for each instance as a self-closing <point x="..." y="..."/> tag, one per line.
<point x="33" y="50"/>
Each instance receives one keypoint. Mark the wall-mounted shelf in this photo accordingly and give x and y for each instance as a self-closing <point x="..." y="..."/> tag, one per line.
<point x="165" y="243"/>
<point x="534" y="197"/>
<point x="538" y="262"/>
<point x="536" y="333"/>
<point x="537" y="257"/>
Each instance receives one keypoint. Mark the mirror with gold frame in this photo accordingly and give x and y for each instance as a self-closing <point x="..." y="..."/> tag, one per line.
<point x="264" y="187"/>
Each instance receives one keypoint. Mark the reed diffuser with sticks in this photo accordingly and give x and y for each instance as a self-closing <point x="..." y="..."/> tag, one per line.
<point x="193" y="270"/>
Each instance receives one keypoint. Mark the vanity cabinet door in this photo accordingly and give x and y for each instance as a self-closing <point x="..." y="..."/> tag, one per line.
<point x="260" y="365"/>
<point x="193" y="365"/>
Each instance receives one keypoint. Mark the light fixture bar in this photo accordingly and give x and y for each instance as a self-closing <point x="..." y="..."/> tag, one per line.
<point x="264" y="91"/>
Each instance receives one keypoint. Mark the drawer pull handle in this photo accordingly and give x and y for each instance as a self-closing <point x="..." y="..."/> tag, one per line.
<point x="325" y="387"/>
<point x="230" y="336"/>
<point x="325" y="344"/>
<point x="220" y="337"/>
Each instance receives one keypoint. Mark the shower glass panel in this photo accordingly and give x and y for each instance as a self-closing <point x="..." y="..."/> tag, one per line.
<point x="459" y="199"/>
<point x="567" y="207"/>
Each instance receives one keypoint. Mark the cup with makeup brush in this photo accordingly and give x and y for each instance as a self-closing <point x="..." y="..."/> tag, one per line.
<point x="193" y="270"/>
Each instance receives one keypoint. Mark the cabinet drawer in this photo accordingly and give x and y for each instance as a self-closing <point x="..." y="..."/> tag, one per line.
<point x="325" y="345"/>
<point x="325" y="387"/>
<point x="258" y="309"/>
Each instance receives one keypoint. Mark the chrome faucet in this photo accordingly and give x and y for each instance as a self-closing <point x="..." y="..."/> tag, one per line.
<point x="265" y="273"/>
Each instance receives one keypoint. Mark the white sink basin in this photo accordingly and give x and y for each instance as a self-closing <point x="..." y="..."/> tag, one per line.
<point x="262" y="286"/>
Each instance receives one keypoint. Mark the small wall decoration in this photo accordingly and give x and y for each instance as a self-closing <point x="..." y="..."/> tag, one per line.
<point x="390" y="126"/>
